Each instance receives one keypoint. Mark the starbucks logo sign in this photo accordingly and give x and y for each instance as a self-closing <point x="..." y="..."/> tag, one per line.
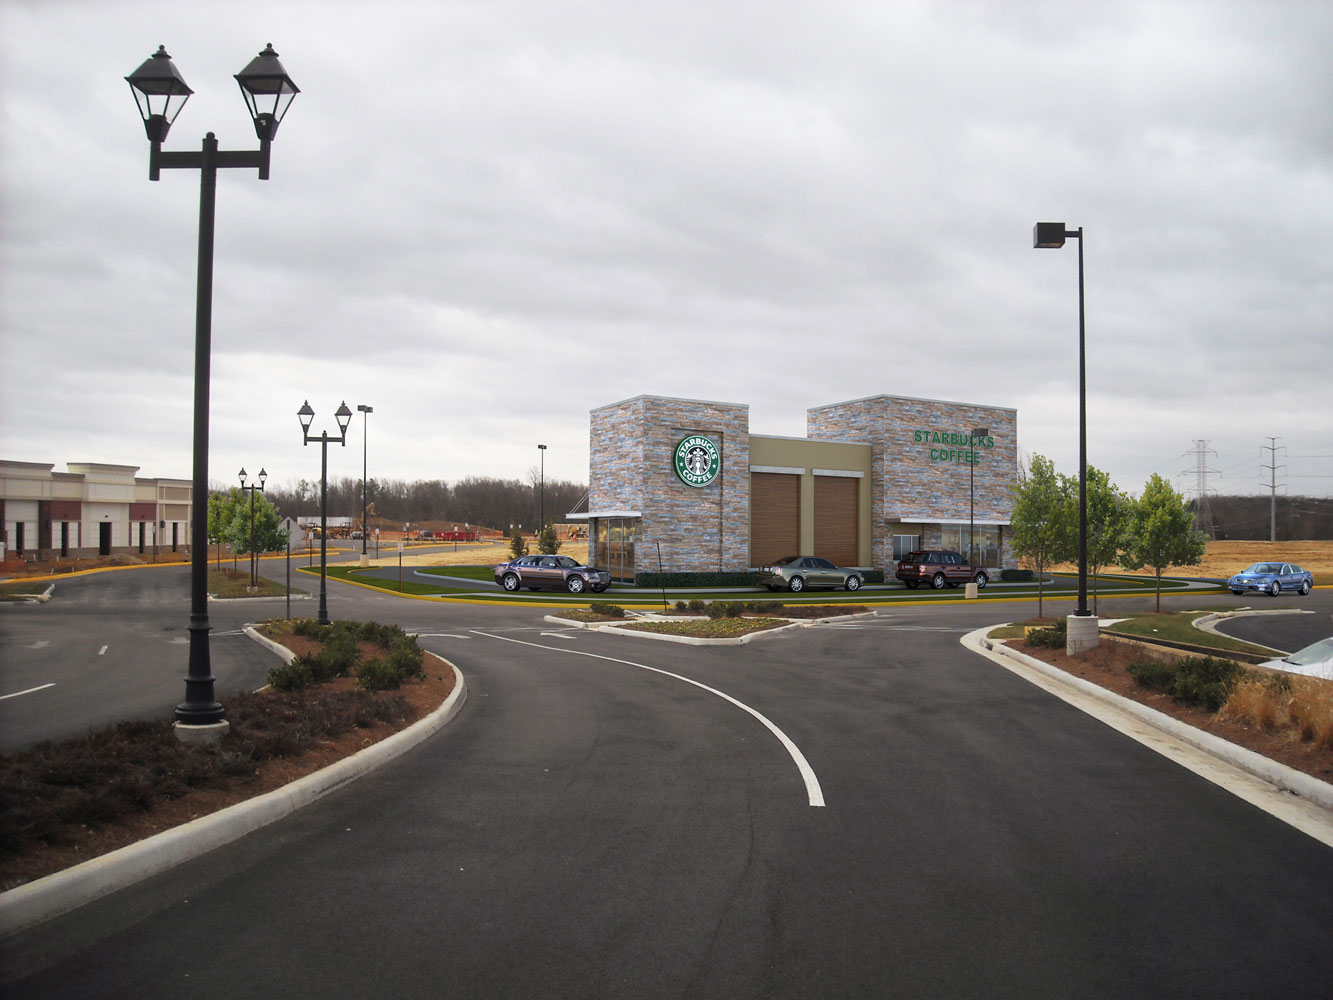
<point x="697" y="460"/>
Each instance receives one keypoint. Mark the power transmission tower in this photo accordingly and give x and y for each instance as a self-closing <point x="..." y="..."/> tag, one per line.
<point x="1203" y="513"/>
<point x="1272" y="448"/>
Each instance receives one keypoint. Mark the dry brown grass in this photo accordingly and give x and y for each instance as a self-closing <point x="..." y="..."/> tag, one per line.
<point x="1223" y="558"/>
<point x="1302" y="704"/>
<point x="485" y="554"/>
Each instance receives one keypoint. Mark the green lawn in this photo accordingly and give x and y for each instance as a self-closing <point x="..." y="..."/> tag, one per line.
<point x="418" y="582"/>
<point x="1180" y="628"/>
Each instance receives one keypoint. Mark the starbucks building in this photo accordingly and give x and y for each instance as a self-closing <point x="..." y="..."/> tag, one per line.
<point x="686" y="482"/>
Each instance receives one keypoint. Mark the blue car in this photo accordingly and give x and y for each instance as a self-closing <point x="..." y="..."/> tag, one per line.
<point x="1271" y="578"/>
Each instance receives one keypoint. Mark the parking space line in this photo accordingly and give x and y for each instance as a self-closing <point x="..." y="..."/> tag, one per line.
<point x="814" y="793"/>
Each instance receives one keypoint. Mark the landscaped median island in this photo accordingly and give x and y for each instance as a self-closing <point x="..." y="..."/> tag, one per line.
<point x="697" y="619"/>
<point x="69" y="801"/>
<point x="1287" y="718"/>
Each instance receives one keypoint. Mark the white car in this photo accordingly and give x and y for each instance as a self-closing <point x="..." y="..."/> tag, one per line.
<point x="1315" y="660"/>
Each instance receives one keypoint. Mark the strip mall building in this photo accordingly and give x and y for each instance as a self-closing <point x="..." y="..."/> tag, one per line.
<point x="873" y="478"/>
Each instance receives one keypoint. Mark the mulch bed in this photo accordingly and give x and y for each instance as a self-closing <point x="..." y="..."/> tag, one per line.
<point x="1106" y="665"/>
<point x="81" y="843"/>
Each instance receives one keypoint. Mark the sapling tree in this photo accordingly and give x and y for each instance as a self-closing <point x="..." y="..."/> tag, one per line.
<point x="1161" y="532"/>
<point x="1040" y="527"/>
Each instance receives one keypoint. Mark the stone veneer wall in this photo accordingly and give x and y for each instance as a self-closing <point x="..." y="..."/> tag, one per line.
<point x="630" y="467"/>
<point x="908" y="485"/>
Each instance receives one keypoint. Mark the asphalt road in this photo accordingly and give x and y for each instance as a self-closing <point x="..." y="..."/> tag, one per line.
<point x="611" y="818"/>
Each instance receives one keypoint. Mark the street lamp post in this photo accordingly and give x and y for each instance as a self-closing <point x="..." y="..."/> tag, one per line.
<point x="365" y="433"/>
<point x="254" y="581"/>
<point x="1082" y="626"/>
<point x="977" y="433"/>
<point x="541" y="516"/>
<point x="307" y="416"/>
<point x="160" y="92"/>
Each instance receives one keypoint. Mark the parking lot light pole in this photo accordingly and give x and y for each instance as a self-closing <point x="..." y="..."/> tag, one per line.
<point x="979" y="432"/>
<point x="160" y="93"/>
<point x="1082" y="626"/>
<point x="307" y="416"/>
<point x="254" y="576"/>
<point x="365" y="434"/>
<point x="541" y="515"/>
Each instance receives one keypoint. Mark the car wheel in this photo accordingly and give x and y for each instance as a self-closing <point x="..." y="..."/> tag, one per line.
<point x="1305" y="587"/>
<point x="1237" y="592"/>
<point x="575" y="584"/>
<point x="796" y="585"/>
<point x="853" y="583"/>
<point x="1274" y="588"/>
<point x="510" y="582"/>
<point x="982" y="580"/>
<point x="911" y="584"/>
<point x="937" y="581"/>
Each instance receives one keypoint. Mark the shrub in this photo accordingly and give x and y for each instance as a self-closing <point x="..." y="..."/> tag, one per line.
<point x="1055" y="637"/>
<point x="610" y="610"/>
<point x="1155" y="675"/>
<point x="697" y="606"/>
<point x="517" y="546"/>
<point x="716" y="609"/>
<point x="548" y="540"/>
<point x="377" y="675"/>
<point x="1205" y="681"/>
<point x="292" y="676"/>
<point x="1018" y="575"/>
<point x="733" y="609"/>
<point x="681" y="606"/>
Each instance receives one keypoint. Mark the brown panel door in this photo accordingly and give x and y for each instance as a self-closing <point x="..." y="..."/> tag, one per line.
<point x="775" y="516"/>
<point x="836" y="519"/>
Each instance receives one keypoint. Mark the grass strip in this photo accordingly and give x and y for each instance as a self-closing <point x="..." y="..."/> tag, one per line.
<point x="1179" y="627"/>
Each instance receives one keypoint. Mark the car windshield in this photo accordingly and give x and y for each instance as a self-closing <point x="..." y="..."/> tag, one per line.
<point x="1264" y="568"/>
<point x="1316" y="653"/>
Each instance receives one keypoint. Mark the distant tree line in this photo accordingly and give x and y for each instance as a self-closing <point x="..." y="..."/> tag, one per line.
<point x="492" y="503"/>
<point x="1250" y="517"/>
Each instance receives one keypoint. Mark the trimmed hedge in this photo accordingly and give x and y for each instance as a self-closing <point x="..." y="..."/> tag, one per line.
<point x="659" y="580"/>
<point x="1018" y="575"/>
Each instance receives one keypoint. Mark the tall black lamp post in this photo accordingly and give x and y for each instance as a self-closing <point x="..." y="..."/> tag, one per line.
<point x="254" y="581"/>
<point x="307" y="417"/>
<point x="1082" y="625"/>
<point x="978" y="433"/>
<point x="161" y="92"/>
<point x="365" y="434"/>
<point x="541" y="510"/>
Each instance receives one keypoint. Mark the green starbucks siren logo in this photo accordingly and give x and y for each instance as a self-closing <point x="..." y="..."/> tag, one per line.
<point x="697" y="460"/>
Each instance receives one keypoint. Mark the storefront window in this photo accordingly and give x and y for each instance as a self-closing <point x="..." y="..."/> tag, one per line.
<point x="903" y="544"/>
<point x="615" y="546"/>
<point x="987" y="544"/>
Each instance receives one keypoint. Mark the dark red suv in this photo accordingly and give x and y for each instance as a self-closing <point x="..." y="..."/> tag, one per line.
<point x="937" y="569"/>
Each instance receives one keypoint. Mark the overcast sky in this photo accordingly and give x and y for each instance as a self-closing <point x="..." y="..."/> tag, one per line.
<point x="487" y="218"/>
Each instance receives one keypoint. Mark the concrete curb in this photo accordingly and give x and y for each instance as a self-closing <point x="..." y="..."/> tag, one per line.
<point x="1288" y="779"/>
<point x="273" y="647"/>
<point x="36" y="902"/>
